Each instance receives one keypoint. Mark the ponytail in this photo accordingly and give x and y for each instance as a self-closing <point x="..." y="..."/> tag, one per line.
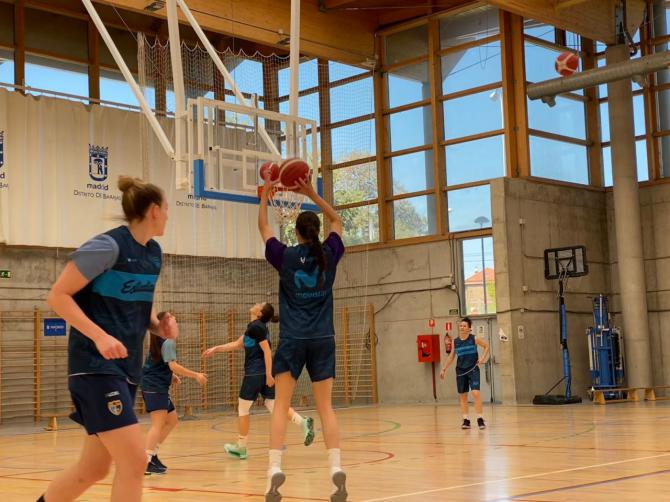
<point x="155" y="344"/>
<point x="308" y="226"/>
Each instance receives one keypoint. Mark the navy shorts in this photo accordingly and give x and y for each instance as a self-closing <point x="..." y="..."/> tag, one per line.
<point x="318" y="354"/>
<point x="467" y="382"/>
<point x="102" y="402"/>
<point x="252" y="385"/>
<point x="156" y="401"/>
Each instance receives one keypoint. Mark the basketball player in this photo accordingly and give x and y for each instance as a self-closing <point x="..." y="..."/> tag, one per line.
<point x="467" y="370"/>
<point x="306" y="332"/>
<point x="106" y="294"/>
<point x="258" y="378"/>
<point x="160" y="370"/>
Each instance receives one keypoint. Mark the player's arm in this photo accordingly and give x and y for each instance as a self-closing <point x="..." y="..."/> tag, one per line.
<point x="307" y="189"/>
<point x="267" y="355"/>
<point x="180" y="370"/>
<point x="485" y="346"/>
<point x="263" y="225"/>
<point x="226" y="347"/>
<point x="447" y="363"/>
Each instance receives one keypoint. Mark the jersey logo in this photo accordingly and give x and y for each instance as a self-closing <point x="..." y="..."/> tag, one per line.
<point x="115" y="407"/>
<point x="303" y="260"/>
<point x="302" y="279"/>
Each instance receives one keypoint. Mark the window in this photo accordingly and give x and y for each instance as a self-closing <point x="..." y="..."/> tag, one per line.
<point x="339" y="71"/>
<point x="6" y="66"/>
<point x="473" y="114"/>
<point x="351" y="100"/>
<point x="411" y="128"/>
<point x="408" y="84"/>
<point x="114" y="88"/>
<point x="406" y="44"/>
<point x="642" y="162"/>
<point x="468" y="26"/>
<point x="471" y="67"/>
<point x="353" y="141"/>
<point x="467" y="207"/>
<point x="308" y="107"/>
<point x="479" y="286"/>
<point x="558" y="160"/>
<point x="53" y="75"/>
<point x="638" y="117"/>
<point x="475" y="160"/>
<point x="361" y="224"/>
<point x="567" y="118"/>
<point x="414" y="217"/>
<point x="308" y="77"/>
<point x="412" y="172"/>
<point x="355" y="184"/>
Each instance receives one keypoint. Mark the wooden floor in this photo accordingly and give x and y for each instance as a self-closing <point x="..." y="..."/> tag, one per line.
<point x="404" y="453"/>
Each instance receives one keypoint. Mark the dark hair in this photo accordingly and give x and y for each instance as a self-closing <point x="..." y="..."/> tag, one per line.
<point x="268" y="313"/>
<point x="308" y="226"/>
<point x="138" y="196"/>
<point x="156" y="342"/>
<point x="468" y="320"/>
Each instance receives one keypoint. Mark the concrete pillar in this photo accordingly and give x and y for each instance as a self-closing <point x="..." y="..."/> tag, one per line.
<point x="628" y="226"/>
<point x="663" y="77"/>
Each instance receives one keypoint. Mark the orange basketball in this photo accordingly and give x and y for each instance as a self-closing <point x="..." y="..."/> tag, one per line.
<point x="291" y="171"/>
<point x="566" y="63"/>
<point x="271" y="168"/>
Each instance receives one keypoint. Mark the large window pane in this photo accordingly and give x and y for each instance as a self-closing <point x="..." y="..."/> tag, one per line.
<point x="113" y="87"/>
<point x="248" y="76"/>
<point x="638" y="117"/>
<point x="539" y="30"/>
<point x="414" y="217"/>
<point x="471" y="68"/>
<point x="351" y="100"/>
<point x="308" y="77"/>
<point x="355" y="183"/>
<point x="540" y="63"/>
<point x="468" y="26"/>
<point x="663" y="107"/>
<point x="407" y="44"/>
<point x="412" y="172"/>
<point x="475" y="160"/>
<point x="479" y="284"/>
<point x="59" y="76"/>
<point x="308" y="107"/>
<point x="567" y="118"/>
<point x="469" y="208"/>
<point x="473" y="114"/>
<point x="6" y="67"/>
<point x="411" y="128"/>
<point x="340" y="71"/>
<point x="558" y="160"/>
<point x="353" y="141"/>
<point x="408" y="84"/>
<point x="642" y="163"/>
<point x="361" y="225"/>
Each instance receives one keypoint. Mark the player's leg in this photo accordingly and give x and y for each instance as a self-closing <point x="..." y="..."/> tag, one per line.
<point x="476" y="395"/>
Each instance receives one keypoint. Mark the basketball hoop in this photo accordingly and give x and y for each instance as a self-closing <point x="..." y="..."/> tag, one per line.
<point x="286" y="204"/>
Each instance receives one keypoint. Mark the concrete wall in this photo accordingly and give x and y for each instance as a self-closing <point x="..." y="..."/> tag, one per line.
<point x="655" y="215"/>
<point x="529" y="217"/>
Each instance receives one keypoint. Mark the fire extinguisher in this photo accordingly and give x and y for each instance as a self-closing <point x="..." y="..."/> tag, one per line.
<point x="448" y="344"/>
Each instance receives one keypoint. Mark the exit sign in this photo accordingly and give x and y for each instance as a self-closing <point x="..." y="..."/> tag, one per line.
<point x="5" y="274"/>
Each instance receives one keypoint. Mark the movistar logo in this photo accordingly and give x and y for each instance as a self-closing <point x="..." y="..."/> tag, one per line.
<point x="303" y="279"/>
<point x="133" y="286"/>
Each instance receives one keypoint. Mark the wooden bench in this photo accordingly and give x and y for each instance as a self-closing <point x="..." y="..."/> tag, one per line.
<point x="631" y="395"/>
<point x="650" y="393"/>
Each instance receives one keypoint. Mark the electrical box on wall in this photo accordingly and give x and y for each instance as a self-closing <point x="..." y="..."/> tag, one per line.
<point x="428" y="348"/>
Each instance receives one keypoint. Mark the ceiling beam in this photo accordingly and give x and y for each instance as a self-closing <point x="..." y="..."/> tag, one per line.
<point x="592" y="19"/>
<point x="334" y="4"/>
<point x="335" y="35"/>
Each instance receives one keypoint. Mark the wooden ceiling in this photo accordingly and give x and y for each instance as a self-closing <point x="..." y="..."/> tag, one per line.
<point x="344" y="30"/>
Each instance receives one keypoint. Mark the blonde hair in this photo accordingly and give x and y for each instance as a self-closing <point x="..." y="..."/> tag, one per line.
<point x="138" y="195"/>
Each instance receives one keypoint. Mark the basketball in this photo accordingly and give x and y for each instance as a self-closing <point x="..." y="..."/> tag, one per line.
<point x="291" y="171"/>
<point x="271" y="168"/>
<point x="566" y="63"/>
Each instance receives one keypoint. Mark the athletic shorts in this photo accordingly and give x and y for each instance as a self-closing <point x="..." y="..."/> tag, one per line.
<point x="102" y="402"/>
<point x="253" y="385"/>
<point x="467" y="382"/>
<point x="156" y="401"/>
<point x="317" y="354"/>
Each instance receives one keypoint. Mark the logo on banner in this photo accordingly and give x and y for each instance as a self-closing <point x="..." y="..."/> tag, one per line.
<point x="97" y="162"/>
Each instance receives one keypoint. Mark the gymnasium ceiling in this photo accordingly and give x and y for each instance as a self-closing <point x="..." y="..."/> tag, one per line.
<point x="344" y="29"/>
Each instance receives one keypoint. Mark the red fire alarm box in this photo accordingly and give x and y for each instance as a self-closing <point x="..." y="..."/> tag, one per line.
<point x="428" y="347"/>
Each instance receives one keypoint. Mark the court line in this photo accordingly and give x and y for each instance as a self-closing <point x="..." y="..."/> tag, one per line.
<point x="582" y="485"/>
<point x="515" y="478"/>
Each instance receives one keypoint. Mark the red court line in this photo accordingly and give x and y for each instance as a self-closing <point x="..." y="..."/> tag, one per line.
<point x="583" y="485"/>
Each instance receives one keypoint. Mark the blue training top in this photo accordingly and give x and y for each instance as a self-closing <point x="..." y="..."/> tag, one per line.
<point x="306" y="308"/>
<point x="157" y="375"/>
<point x="254" y="358"/>
<point x="123" y="275"/>
<point x="466" y="353"/>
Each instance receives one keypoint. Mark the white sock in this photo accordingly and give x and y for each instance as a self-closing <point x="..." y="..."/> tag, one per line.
<point x="334" y="460"/>
<point x="274" y="466"/>
<point x="297" y="419"/>
<point x="242" y="441"/>
<point x="150" y="453"/>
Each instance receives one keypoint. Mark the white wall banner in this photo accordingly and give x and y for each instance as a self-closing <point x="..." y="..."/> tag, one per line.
<point x="59" y="164"/>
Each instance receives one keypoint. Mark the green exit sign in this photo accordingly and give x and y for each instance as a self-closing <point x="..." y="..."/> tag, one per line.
<point x="5" y="274"/>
